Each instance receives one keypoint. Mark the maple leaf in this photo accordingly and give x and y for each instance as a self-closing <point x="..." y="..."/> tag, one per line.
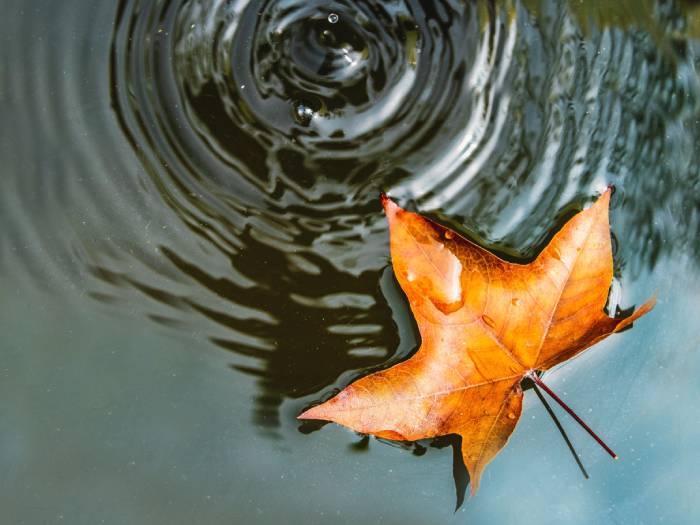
<point x="485" y="325"/>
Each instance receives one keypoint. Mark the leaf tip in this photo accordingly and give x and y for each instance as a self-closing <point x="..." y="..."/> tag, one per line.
<point x="315" y="412"/>
<point x="649" y="304"/>
<point x="605" y="196"/>
<point x="473" y="486"/>
<point x="388" y="205"/>
<point x="639" y="312"/>
<point x="645" y="308"/>
<point x="600" y="208"/>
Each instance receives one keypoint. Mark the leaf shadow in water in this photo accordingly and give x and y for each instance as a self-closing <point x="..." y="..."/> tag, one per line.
<point x="299" y="331"/>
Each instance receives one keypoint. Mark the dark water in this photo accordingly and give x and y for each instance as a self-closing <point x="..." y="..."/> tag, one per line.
<point x="192" y="249"/>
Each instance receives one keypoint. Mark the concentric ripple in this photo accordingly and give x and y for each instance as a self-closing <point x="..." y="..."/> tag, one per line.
<point x="273" y="105"/>
<point x="269" y="128"/>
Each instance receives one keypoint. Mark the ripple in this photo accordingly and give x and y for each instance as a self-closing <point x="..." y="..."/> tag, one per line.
<point x="220" y="172"/>
<point x="66" y="176"/>
<point x="270" y="127"/>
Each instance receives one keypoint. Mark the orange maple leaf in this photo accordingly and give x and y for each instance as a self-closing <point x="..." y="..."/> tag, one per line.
<point x="485" y="325"/>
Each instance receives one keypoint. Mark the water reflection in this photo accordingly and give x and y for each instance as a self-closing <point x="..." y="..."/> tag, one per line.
<point x="302" y="329"/>
<point x="270" y="127"/>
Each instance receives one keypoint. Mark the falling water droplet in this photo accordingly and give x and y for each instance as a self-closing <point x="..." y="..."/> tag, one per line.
<point x="333" y="18"/>
<point x="303" y="114"/>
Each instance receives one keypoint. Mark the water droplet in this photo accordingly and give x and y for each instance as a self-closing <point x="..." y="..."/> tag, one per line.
<point x="515" y="301"/>
<point x="488" y="320"/>
<point x="449" y="234"/>
<point x="333" y="18"/>
<point x="511" y="415"/>
<point x="410" y="277"/>
<point x="303" y="114"/>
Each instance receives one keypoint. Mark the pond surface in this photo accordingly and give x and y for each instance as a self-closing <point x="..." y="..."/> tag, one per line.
<point x="193" y="251"/>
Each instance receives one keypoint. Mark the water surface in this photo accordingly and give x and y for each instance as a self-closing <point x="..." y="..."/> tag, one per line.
<point x="192" y="249"/>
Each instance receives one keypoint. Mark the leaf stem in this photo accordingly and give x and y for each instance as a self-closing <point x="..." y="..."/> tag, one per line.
<point x="561" y="431"/>
<point x="573" y="414"/>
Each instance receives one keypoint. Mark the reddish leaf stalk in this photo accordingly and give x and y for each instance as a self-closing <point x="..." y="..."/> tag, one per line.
<point x="573" y="414"/>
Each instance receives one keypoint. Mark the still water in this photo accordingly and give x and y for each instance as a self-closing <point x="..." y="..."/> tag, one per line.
<point x="192" y="250"/>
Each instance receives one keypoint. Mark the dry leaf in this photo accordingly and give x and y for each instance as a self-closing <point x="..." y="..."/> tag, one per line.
<point x="485" y="324"/>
